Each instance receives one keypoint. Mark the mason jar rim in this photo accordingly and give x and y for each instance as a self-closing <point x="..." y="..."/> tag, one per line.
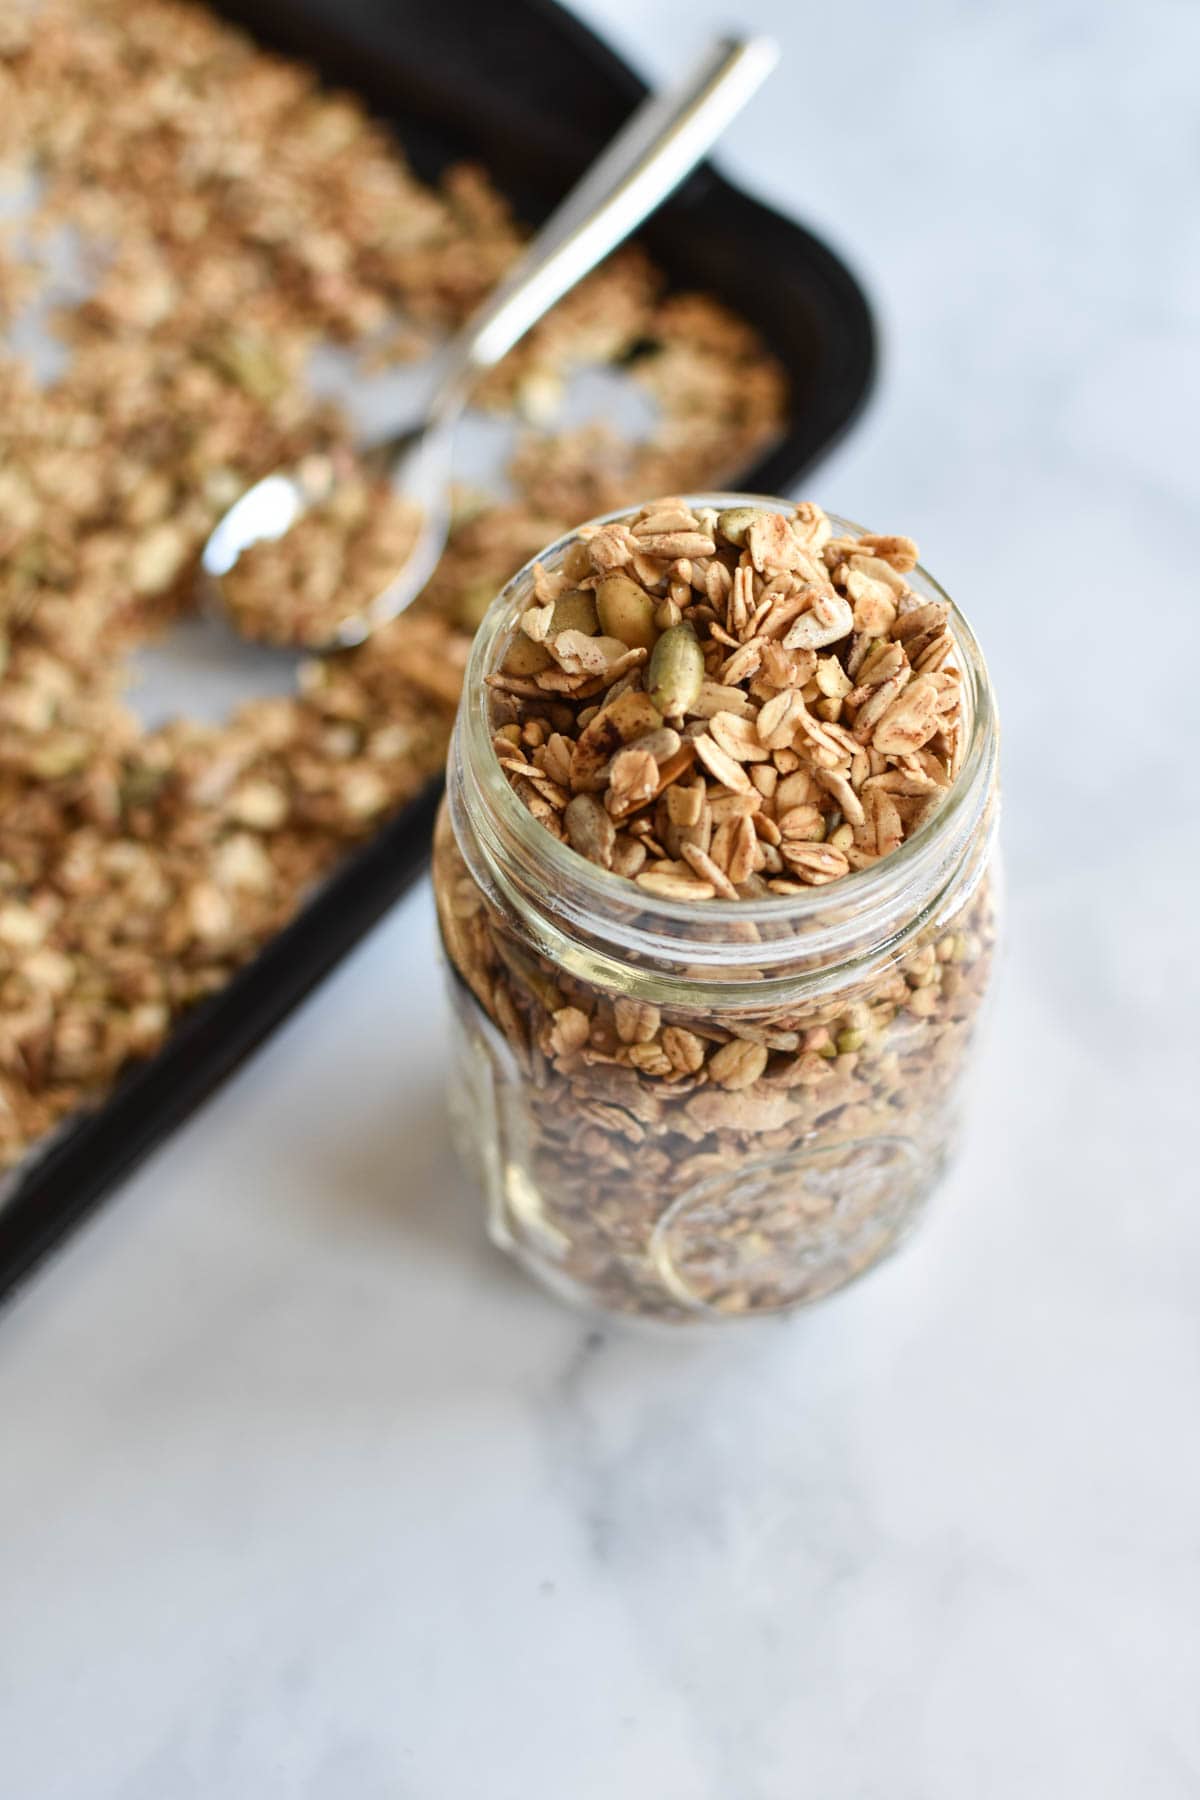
<point x="572" y="896"/>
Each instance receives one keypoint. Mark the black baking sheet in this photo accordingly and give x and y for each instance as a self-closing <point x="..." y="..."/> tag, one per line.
<point x="526" y="88"/>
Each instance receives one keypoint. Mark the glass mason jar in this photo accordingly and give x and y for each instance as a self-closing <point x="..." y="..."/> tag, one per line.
<point x="703" y="1111"/>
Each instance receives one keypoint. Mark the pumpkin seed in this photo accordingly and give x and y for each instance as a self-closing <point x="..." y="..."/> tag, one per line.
<point x="676" y="671"/>
<point x="735" y="522"/>
<point x="626" y="612"/>
<point x="524" y="657"/>
<point x="576" y="611"/>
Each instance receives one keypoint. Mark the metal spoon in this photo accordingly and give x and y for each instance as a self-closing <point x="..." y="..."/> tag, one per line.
<point x="662" y="142"/>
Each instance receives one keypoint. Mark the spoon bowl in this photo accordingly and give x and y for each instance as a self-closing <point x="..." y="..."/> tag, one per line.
<point x="417" y="465"/>
<point x="657" y="148"/>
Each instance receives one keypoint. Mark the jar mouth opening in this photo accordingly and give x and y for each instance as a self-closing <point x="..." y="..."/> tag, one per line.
<point x="664" y="923"/>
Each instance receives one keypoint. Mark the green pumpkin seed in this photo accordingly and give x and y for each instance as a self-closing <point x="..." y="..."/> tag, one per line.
<point x="626" y="612"/>
<point x="676" y="671"/>
<point x="575" y="611"/>
<point x="524" y="657"/>
<point x="735" y="522"/>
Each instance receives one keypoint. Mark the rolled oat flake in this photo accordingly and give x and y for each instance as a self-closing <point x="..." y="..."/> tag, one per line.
<point x="715" y="880"/>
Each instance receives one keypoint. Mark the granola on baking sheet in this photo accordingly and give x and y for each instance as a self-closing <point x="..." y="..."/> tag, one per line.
<point x="232" y="215"/>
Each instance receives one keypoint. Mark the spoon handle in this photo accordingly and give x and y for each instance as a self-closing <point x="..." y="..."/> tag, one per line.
<point x="661" y="144"/>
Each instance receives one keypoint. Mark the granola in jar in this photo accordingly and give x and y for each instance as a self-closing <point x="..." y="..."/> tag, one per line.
<point x="714" y="882"/>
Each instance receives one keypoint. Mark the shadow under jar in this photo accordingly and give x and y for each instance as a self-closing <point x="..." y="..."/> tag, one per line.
<point x="697" y="1111"/>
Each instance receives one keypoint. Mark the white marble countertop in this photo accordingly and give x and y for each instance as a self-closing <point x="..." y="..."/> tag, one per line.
<point x="304" y="1493"/>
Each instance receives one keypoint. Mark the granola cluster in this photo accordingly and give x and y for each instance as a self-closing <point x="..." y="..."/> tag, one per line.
<point x="736" y="705"/>
<point x="230" y="215"/>
<point x="729" y="704"/>
<point x="302" y="587"/>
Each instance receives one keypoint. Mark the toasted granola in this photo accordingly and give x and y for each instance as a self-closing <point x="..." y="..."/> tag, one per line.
<point x="721" y="705"/>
